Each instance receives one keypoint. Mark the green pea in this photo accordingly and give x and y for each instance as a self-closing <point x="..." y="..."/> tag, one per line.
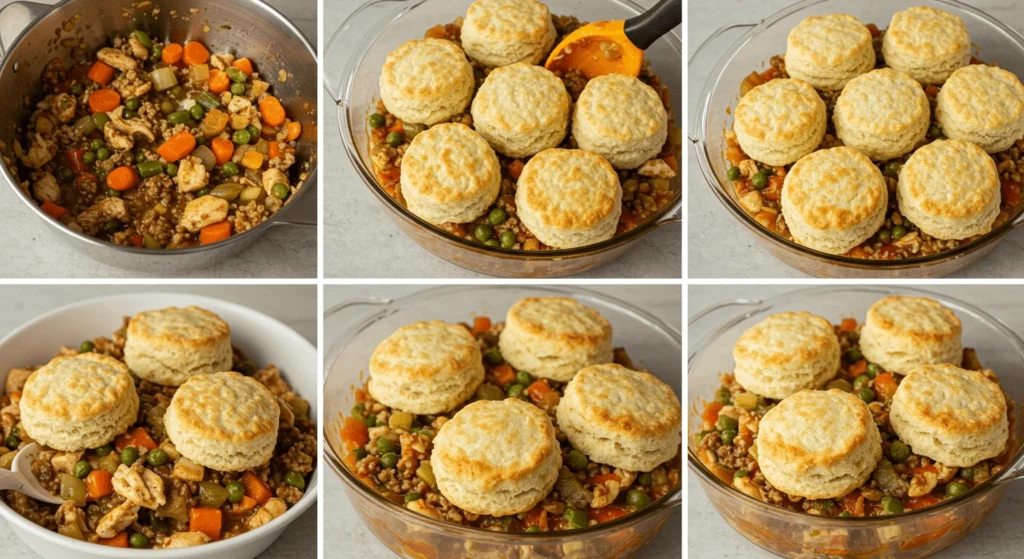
<point x="111" y="193"/>
<point x="644" y="479"/>
<point x="179" y="117"/>
<point x="866" y="394"/>
<point x="143" y="38"/>
<point x="103" y="154"/>
<point x="385" y="445"/>
<point x="388" y="460"/>
<point x="493" y="356"/>
<point x="100" y="120"/>
<point x="874" y="369"/>
<point x="129" y="114"/>
<point x="735" y="174"/>
<point x="410" y="497"/>
<point x="891" y="505"/>
<point x="241" y="137"/>
<point x="854" y="354"/>
<point x="898" y="232"/>
<point x="280" y="190"/>
<point x="111" y="226"/>
<point x="157" y="53"/>
<point x="370" y="420"/>
<point x="532" y="529"/>
<point x="229" y="169"/>
<point x="254" y="132"/>
<point x="934" y="131"/>
<point x="497" y="216"/>
<point x="492" y="243"/>
<point x="861" y="382"/>
<point x="576" y="460"/>
<point x="482" y="232"/>
<point x="726" y="423"/>
<point x="77" y="89"/>
<point x="81" y="469"/>
<point x="237" y="89"/>
<point x="156" y="458"/>
<point x="235" y="491"/>
<point x="235" y="74"/>
<point x="12" y="441"/>
<point x="508" y="239"/>
<point x="132" y="103"/>
<point x="740" y="473"/>
<point x="89" y="157"/>
<point x="86" y="346"/>
<point x="377" y="120"/>
<point x="197" y="112"/>
<point x="638" y="499"/>
<point x="515" y="390"/>
<point x="202" y="192"/>
<point x="723" y="396"/>
<point x="172" y="169"/>
<point x="360" y="453"/>
<point x="759" y="181"/>
<point x="845" y="514"/>
<point x="885" y="236"/>
<point x="138" y="540"/>
<point x="524" y="378"/>
<point x="394" y="139"/>
<point x="955" y="489"/>
<point x="892" y="169"/>
<point x="96" y="144"/>
<point x="103" y="450"/>
<point x="295" y="480"/>
<point x="728" y="436"/>
<point x="66" y="174"/>
<point x="167" y="107"/>
<point x="140" y="156"/>
<point x="577" y="518"/>
<point x="899" y="451"/>
<point x="129" y="455"/>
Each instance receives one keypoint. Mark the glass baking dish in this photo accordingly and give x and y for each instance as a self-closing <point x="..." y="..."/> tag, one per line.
<point x="351" y="332"/>
<point x="757" y="43"/>
<point x="790" y="534"/>
<point x="352" y="65"/>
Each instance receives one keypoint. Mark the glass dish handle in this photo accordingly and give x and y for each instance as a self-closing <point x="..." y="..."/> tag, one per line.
<point x="15" y="18"/>
<point x="704" y="61"/>
<point x="1014" y="473"/>
<point x="356" y="304"/>
<point x="714" y="327"/>
<point x="697" y="318"/>
<point x="350" y="41"/>
<point x="1019" y="221"/>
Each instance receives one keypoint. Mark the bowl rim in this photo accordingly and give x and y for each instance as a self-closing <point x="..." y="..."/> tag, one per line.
<point x="345" y="110"/>
<point x="708" y="479"/>
<point x="351" y="483"/>
<point x="141" y="252"/>
<point x="704" y="157"/>
<point x="280" y="523"/>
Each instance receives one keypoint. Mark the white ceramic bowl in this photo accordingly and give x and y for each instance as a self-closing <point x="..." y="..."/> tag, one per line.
<point x="263" y="339"/>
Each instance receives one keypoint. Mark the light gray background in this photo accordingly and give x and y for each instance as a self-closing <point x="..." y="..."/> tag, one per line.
<point x="361" y="241"/>
<point x="721" y="246"/>
<point x="999" y="537"/>
<point x="294" y="305"/>
<point x="342" y="527"/>
<point x="31" y="250"/>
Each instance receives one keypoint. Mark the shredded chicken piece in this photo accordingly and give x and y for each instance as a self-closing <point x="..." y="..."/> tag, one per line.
<point x="192" y="175"/>
<point x="93" y="218"/>
<point x="272" y="177"/>
<point x="138" y="49"/>
<point x="922" y="483"/>
<point x="120" y="133"/>
<point x="39" y="153"/>
<point x="270" y="510"/>
<point x="184" y="539"/>
<point x="222" y="61"/>
<point x="69" y="515"/>
<point x="204" y="211"/>
<point x="656" y="168"/>
<point x="423" y="508"/>
<point x="46" y="189"/>
<point x="117" y="59"/>
<point x="16" y="379"/>
<point x="63" y="107"/>
<point x="140" y="486"/>
<point x="64" y="462"/>
<point x="119" y="518"/>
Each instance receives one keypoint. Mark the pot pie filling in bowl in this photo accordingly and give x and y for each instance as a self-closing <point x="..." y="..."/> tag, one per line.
<point x="198" y="504"/>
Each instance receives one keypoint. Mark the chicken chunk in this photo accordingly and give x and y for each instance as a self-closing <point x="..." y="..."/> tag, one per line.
<point x="71" y="521"/>
<point x="16" y="380"/>
<point x="63" y="107"/>
<point x="238" y="104"/>
<point x="272" y="509"/>
<point x="222" y="61"/>
<point x="130" y="85"/>
<point x="117" y="520"/>
<point x="46" y="189"/>
<point x="121" y="133"/>
<point x="39" y="153"/>
<point x="204" y="211"/>
<point x="185" y="539"/>
<point x="64" y="462"/>
<point x="423" y="508"/>
<point x="93" y="218"/>
<point x="657" y="169"/>
<point x="140" y="486"/>
<point x="117" y="59"/>
<point x="139" y="50"/>
<point x="272" y="177"/>
<point x="187" y="470"/>
<point x="192" y="174"/>
<point x="43" y="121"/>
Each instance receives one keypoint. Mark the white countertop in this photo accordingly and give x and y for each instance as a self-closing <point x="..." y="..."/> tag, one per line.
<point x="30" y="249"/>
<point x="294" y="305"/>
<point x="343" y="528"/>
<point x="999" y="537"/>
<point x="720" y="245"/>
<point x="361" y="241"/>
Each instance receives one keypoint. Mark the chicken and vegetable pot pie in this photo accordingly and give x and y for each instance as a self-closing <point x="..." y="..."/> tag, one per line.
<point x="895" y="443"/>
<point x="531" y="475"/>
<point x="156" y="144"/>
<point x="145" y="465"/>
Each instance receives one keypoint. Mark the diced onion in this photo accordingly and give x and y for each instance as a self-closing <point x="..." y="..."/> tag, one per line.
<point x="86" y="125"/>
<point x="206" y="156"/>
<point x="163" y="78"/>
<point x="200" y="72"/>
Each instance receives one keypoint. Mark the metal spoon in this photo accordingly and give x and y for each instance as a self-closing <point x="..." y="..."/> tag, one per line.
<point x="21" y="479"/>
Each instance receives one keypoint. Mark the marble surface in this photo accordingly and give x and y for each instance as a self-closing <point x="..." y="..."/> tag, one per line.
<point x="343" y="528"/>
<point x="361" y="241"/>
<point x="720" y="245"/>
<point x="30" y="249"/>
<point x="296" y="306"/>
<point x="999" y="537"/>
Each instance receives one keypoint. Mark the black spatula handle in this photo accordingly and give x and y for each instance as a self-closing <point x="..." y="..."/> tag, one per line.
<point x="647" y="27"/>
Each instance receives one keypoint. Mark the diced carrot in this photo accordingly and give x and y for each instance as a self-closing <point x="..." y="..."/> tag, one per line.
<point x="76" y="159"/>
<point x="244" y="506"/>
<point x="252" y="160"/>
<point x="273" y="149"/>
<point x="1011" y="193"/>
<point x="931" y="90"/>
<point x="537" y="517"/>
<point x="857" y="252"/>
<point x="219" y="81"/>
<point x="138" y="437"/>
<point x="397" y="127"/>
<point x="172" y="53"/>
<point x="539" y="392"/>
<point x="53" y="210"/>
<point x="177" y="146"/>
<point x="873" y="29"/>
<point x="123" y="178"/>
<point x="294" y="129"/>
<point x="98" y="485"/>
<point x="859" y="368"/>
<point x="214" y="233"/>
<point x="256" y="488"/>
<point x="606" y="513"/>
<point x="350" y="460"/>
<point x="710" y="415"/>
<point x="853" y="503"/>
<point x="195" y="53"/>
<point x="670" y="160"/>
<point x="601" y="479"/>
<point x="885" y="386"/>
<point x="504" y="375"/>
<point x="135" y="240"/>
<point x="207" y="521"/>
<point x="481" y="324"/>
<point x="104" y="100"/>
<point x="362" y="396"/>
<point x="848" y="325"/>
<point x="120" y="540"/>
<point x="223" y="149"/>
<point x="515" y="169"/>
<point x="101" y="73"/>
<point x="914" y="503"/>
<point x="769" y="74"/>
<point x="354" y="433"/>
<point x="272" y="111"/>
<point x="243" y="64"/>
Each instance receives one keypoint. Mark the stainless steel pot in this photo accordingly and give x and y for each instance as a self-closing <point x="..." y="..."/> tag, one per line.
<point x="32" y="34"/>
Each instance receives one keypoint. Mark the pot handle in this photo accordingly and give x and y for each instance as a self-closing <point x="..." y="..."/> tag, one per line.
<point x="350" y="40"/>
<point x="15" y="18"/>
<point x="302" y="214"/>
<point x="700" y="59"/>
<point x="674" y="217"/>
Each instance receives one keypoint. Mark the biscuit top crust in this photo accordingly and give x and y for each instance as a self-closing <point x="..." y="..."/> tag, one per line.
<point x="814" y="428"/>
<point x="828" y="40"/>
<point x="522" y="97"/>
<point x="924" y="33"/>
<point x="621" y="108"/>
<point x="559" y="317"/>
<point x="77" y="387"/>
<point x="509" y="20"/>
<point x="424" y="69"/>
<point x="613" y="399"/>
<point x="783" y="110"/>
<point x="569" y="188"/>
<point x="227" y="406"/>
<point x="883" y="101"/>
<point x="951" y="178"/>
<point x="835" y="188"/>
<point x="449" y="163"/>
<point x="917" y="317"/>
<point x="784" y="338"/>
<point x="190" y="326"/>
<point x="426" y="350"/>
<point x="983" y="97"/>
<point x="488" y="443"/>
<point x="951" y="400"/>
